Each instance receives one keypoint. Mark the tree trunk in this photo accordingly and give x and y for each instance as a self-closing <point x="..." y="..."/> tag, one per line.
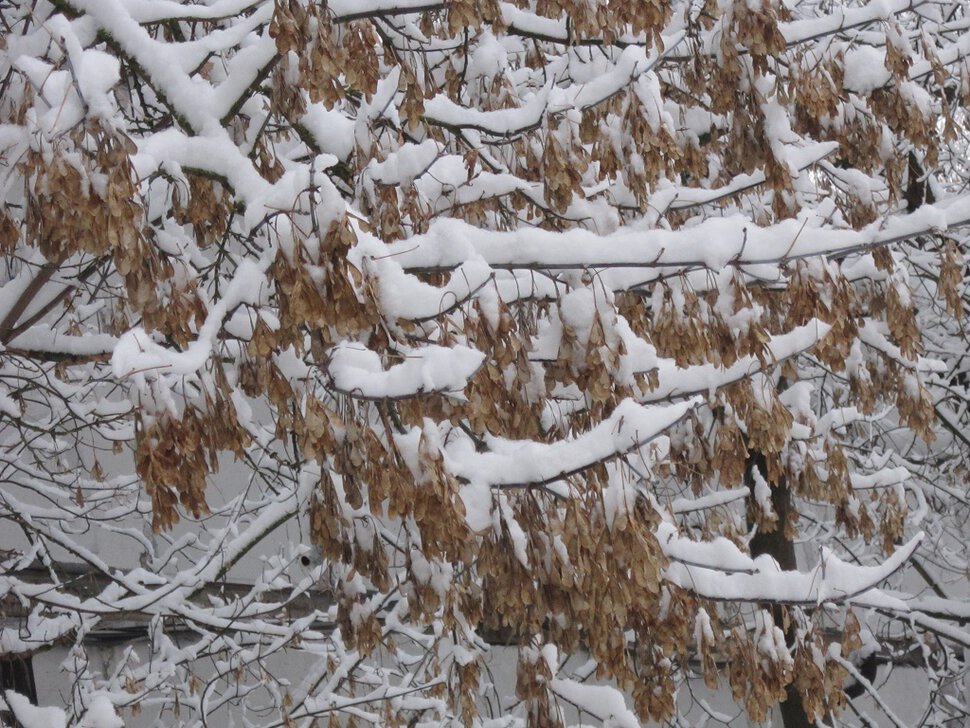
<point x="780" y="547"/>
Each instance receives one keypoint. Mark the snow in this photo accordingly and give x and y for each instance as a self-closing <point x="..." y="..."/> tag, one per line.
<point x="603" y="702"/>
<point x="357" y="371"/>
<point x="449" y="242"/>
<point x="489" y="58"/>
<point x="843" y="17"/>
<point x="762" y="494"/>
<point x="501" y="122"/>
<point x="344" y="8"/>
<point x="717" y="554"/>
<point x="705" y="378"/>
<point x="761" y="579"/>
<point x="216" y="153"/>
<point x="516" y="463"/>
<point x="153" y="11"/>
<point x="38" y="629"/>
<point x="712" y="500"/>
<point x="532" y="23"/>
<point x="31" y="716"/>
<point x="874" y="335"/>
<point x="332" y="132"/>
<point x="798" y="157"/>
<point x="136" y="354"/>
<point x="45" y="338"/>
<point x="408" y="162"/>
<point x="101" y="714"/>
<point x="201" y="104"/>
<point x="865" y="69"/>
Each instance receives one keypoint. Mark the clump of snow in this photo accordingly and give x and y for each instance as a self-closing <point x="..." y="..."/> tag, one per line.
<point x="865" y="69"/>
<point x="358" y="371"/>
<point x="30" y="716"/>
<point x="101" y="714"/>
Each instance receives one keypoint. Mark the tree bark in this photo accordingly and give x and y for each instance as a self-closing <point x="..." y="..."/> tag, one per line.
<point x="779" y="546"/>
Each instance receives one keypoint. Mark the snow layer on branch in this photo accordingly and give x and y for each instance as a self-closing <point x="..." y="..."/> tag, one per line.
<point x="406" y="163"/>
<point x="700" y="379"/>
<point x="47" y="339"/>
<point x="712" y="244"/>
<point x="676" y="381"/>
<point x="407" y="296"/>
<point x="166" y="65"/>
<point x="798" y="158"/>
<point x="136" y="353"/>
<point x="342" y="8"/>
<point x="357" y="371"/>
<point x="153" y="11"/>
<point x="500" y="122"/>
<point x="603" y="702"/>
<point x="516" y="463"/>
<point x="727" y="573"/>
<point x="218" y="155"/>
